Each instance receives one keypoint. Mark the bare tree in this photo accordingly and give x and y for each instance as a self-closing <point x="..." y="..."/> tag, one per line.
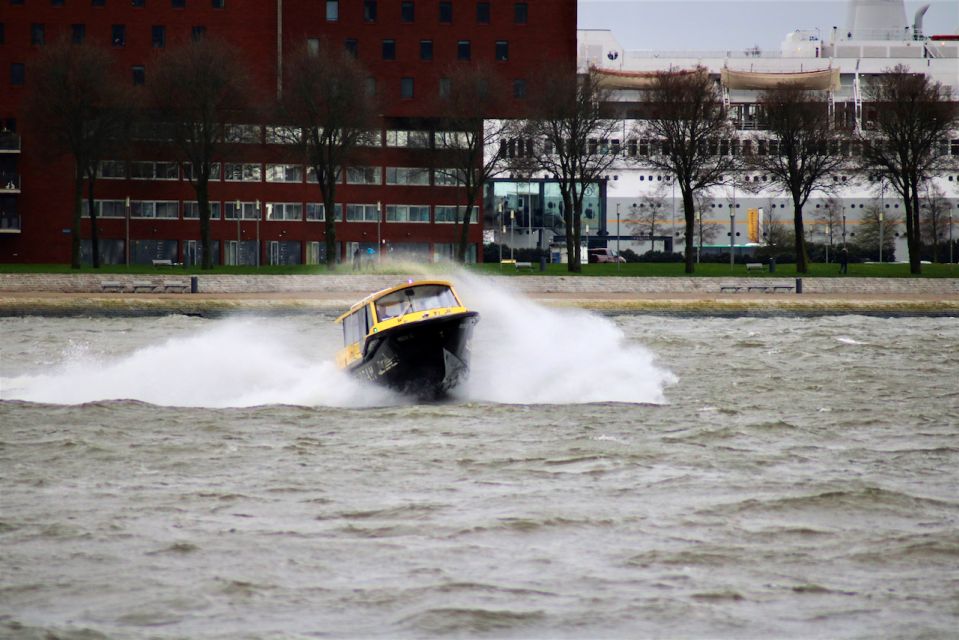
<point x="804" y="154"/>
<point x="331" y="110"/>
<point x="829" y="220"/>
<point x="568" y="122"/>
<point x="685" y="122"/>
<point x="647" y="215"/>
<point x="934" y="209"/>
<point x="877" y="225"/>
<point x="198" y="88"/>
<point x="470" y="148"/>
<point x="79" y="106"/>
<point x="912" y="114"/>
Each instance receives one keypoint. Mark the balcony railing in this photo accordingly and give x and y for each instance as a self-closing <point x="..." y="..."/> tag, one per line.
<point x="9" y="142"/>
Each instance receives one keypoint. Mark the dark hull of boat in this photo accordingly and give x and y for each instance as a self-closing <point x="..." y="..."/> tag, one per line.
<point x="424" y="359"/>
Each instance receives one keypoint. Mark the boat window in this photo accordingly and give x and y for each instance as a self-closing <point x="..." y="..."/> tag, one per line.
<point x="409" y="300"/>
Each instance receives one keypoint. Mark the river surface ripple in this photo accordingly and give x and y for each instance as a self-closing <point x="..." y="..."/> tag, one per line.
<point x="798" y="479"/>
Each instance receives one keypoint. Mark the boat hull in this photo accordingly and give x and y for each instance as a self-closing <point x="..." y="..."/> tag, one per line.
<point x="424" y="359"/>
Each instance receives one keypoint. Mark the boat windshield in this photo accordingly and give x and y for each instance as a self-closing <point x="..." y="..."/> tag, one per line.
<point x="413" y="299"/>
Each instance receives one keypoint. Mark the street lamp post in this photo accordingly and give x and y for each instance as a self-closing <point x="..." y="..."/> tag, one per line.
<point x="882" y="216"/>
<point x="126" y="244"/>
<point x="237" y="211"/>
<point x="258" y="216"/>
<point x="379" y="218"/>
<point x="512" y="220"/>
<point x="950" y="237"/>
<point x="699" y="224"/>
<point x="732" y="236"/>
<point x="617" y="236"/>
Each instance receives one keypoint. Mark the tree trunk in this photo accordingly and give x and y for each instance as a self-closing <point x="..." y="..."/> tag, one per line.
<point x="689" y="213"/>
<point x="329" y="226"/>
<point x="94" y="233"/>
<point x="203" y="200"/>
<point x="910" y="202"/>
<point x="75" y="240"/>
<point x="802" y="260"/>
<point x="464" y="233"/>
<point x="572" y="235"/>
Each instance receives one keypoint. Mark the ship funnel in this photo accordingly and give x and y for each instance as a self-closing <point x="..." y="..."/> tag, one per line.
<point x="876" y="20"/>
<point x="917" y="23"/>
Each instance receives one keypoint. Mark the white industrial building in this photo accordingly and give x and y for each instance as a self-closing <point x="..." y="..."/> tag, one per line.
<point x="840" y="62"/>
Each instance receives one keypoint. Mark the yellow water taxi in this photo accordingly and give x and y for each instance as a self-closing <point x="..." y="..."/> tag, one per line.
<point x="413" y="338"/>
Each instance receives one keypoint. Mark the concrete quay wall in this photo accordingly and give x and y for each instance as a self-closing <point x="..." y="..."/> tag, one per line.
<point x="533" y="284"/>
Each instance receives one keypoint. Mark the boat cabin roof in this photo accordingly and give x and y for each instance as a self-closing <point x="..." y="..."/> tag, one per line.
<point x="379" y="294"/>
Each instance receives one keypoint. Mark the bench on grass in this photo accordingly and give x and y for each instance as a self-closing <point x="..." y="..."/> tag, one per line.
<point x="164" y="262"/>
<point x="755" y="266"/>
<point x="524" y="265"/>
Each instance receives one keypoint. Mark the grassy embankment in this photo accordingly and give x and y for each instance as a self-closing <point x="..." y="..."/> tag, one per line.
<point x="659" y="270"/>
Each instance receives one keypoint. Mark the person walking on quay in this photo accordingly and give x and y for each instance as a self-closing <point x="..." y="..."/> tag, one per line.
<point x="844" y="260"/>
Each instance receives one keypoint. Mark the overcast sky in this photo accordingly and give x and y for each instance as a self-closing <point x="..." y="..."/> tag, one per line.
<point x="733" y="24"/>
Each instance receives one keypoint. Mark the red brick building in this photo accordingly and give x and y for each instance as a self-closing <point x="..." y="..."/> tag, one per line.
<point x="394" y="201"/>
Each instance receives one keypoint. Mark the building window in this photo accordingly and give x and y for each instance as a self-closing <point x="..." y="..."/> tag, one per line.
<point x="407" y="213"/>
<point x="139" y="74"/>
<point x="191" y="210"/>
<point x="369" y="10"/>
<point x="519" y="88"/>
<point x="316" y="212"/>
<point x="17" y="73"/>
<point x="139" y="3"/>
<point x="411" y="176"/>
<point x="78" y="33"/>
<point x="284" y="211"/>
<point x="158" y="36"/>
<point x="352" y="47"/>
<point x="363" y="175"/>
<point x="446" y="12"/>
<point x="482" y="12"/>
<point x="426" y="49"/>
<point x="408" y="139"/>
<point x="520" y="13"/>
<point x="406" y="87"/>
<point x="449" y="177"/>
<point x="37" y="34"/>
<point x="118" y="35"/>
<point x="463" y="50"/>
<point x="246" y="210"/>
<point x="2" y="34"/>
<point x="190" y="174"/>
<point x="332" y="10"/>
<point x="448" y="214"/>
<point x="198" y="32"/>
<point x="242" y="172"/>
<point x="112" y="169"/>
<point x="218" y="4"/>
<point x="56" y="3"/>
<point x="502" y="50"/>
<point x="177" y="4"/>
<point x="389" y="49"/>
<point x="362" y="213"/>
<point x="149" y="170"/>
<point x="243" y="133"/>
<point x="407" y="11"/>
<point x="155" y="209"/>
<point x="284" y="173"/>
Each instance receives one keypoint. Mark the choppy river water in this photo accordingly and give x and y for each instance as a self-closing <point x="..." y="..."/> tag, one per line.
<point x="617" y="477"/>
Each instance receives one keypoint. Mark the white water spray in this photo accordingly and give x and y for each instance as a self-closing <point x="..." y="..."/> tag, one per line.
<point x="523" y="353"/>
